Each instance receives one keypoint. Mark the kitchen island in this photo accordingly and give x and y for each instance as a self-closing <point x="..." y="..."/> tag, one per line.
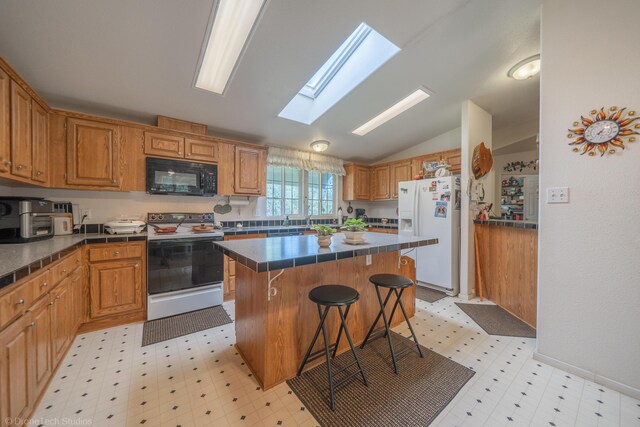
<point x="275" y="320"/>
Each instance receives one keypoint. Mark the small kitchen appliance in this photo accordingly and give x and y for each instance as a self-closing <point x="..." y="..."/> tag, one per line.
<point x="124" y="226"/>
<point x="62" y="225"/>
<point x="25" y="219"/>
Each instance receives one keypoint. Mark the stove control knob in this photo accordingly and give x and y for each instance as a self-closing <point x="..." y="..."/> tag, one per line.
<point x="161" y="217"/>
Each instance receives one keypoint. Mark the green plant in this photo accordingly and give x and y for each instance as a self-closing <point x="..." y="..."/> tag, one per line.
<point x="323" y="230"/>
<point x="355" y="225"/>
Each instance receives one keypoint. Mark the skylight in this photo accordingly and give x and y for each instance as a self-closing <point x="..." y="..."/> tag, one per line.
<point x="359" y="56"/>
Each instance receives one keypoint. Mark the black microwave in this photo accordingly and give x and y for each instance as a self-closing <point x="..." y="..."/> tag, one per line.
<point x="166" y="176"/>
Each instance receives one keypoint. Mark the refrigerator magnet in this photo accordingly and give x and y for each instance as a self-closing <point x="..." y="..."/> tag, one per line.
<point x="446" y="196"/>
<point x="441" y="210"/>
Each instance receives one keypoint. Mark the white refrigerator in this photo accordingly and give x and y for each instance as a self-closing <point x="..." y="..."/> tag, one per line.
<point x="431" y="208"/>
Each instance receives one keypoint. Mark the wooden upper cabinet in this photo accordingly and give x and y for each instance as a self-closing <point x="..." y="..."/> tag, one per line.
<point x="204" y="151"/>
<point x="21" y="160"/>
<point x="380" y="184"/>
<point x="5" y="122"/>
<point x="250" y="170"/>
<point x="16" y="370"/>
<point x="160" y="144"/>
<point x="93" y="153"/>
<point x="116" y="287"/>
<point x="40" y="142"/>
<point x="357" y="182"/>
<point x="400" y="171"/>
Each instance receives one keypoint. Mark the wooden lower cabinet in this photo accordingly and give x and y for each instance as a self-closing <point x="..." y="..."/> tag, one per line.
<point x="43" y="364"/>
<point x="116" y="287"/>
<point x="61" y="315"/>
<point x="230" y="265"/>
<point x="17" y="370"/>
<point x="117" y="283"/>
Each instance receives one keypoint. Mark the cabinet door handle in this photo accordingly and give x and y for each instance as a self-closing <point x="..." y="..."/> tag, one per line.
<point x="19" y="166"/>
<point x="20" y="302"/>
<point x="33" y="324"/>
<point x="64" y="271"/>
<point x="38" y="173"/>
<point x="137" y="265"/>
<point x="51" y="303"/>
<point x="113" y="180"/>
<point x="44" y="285"/>
<point x="57" y="297"/>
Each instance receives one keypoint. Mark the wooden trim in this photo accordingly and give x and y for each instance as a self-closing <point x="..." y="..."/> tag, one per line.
<point x="19" y="80"/>
<point x="181" y="125"/>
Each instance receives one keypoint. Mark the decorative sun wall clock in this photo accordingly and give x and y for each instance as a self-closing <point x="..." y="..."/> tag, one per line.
<point x="603" y="131"/>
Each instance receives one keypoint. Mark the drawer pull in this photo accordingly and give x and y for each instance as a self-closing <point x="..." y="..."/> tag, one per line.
<point x="38" y="173"/>
<point x="33" y="324"/>
<point x="57" y="297"/>
<point x="137" y="265"/>
<point x="20" y="302"/>
<point x="44" y="285"/>
<point x="64" y="271"/>
<point x="51" y="303"/>
<point x="19" y="167"/>
<point x="116" y="253"/>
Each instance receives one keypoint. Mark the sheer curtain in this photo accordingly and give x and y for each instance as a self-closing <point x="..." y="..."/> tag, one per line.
<point x="305" y="160"/>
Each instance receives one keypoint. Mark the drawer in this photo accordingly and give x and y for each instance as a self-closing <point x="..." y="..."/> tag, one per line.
<point x="13" y="304"/>
<point x="42" y="284"/>
<point x="65" y="267"/>
<point x="115" y="252"/>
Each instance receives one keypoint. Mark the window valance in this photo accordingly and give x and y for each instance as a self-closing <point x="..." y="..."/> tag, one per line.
<point x="305" y="160"/>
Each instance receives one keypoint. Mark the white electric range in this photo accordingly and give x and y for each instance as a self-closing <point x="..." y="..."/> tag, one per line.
<point x="185" y="272"/>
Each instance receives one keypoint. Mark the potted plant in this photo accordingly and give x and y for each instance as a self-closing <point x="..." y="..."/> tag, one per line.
<point x="324" y="234"/>
<point x="354" y="229"/>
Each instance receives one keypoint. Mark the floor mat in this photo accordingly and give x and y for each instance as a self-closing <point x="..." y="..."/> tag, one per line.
<point x="428" y="295"/>
<point x="496" y="320"/>
<point x="183" y="324"/>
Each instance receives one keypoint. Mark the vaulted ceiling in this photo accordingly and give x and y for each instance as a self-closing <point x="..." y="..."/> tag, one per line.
<point x="135" y="59"/>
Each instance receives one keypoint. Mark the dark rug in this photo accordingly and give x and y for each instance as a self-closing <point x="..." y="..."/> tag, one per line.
<point x="496" y="320"/>
<point x="414" y="397"/>
<point x="428" y="295"/>
<point x="159" y="330"/>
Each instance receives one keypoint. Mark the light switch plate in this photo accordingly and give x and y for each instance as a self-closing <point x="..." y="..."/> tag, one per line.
<point x="368" y="260"/>
<point x="558" y="195"/>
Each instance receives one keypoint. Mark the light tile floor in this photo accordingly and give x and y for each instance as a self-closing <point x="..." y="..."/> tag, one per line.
<point x="108" y="379"/>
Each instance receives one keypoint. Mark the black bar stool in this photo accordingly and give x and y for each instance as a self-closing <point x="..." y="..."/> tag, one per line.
<point x="333" y="296"/>
<point x="396" y="285"/>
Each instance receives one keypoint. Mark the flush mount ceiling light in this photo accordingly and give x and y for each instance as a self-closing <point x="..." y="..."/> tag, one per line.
<point x="230" y="26"/>
<point x="526" y="68"/>
<point x="320" y="145"/>
<point x="399" y="108"/>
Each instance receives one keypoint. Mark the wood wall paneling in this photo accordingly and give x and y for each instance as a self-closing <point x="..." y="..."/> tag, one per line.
<point x="509" y="268"/>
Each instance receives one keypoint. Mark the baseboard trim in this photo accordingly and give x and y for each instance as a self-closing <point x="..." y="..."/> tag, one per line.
<point x="588" y="375"/>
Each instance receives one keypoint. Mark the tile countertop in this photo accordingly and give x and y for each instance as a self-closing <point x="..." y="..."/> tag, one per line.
<point x="263" y="254"/>
<point x="532" y="225"/>
<point x="21" y="259"/>
<point x="293" y="228"/>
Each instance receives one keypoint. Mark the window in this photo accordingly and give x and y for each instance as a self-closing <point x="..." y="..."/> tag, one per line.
<point x="283" y="191"/>
<point x="286" y="188"/>
<point x="321" y="193"/>
<point x="360" y="55"/>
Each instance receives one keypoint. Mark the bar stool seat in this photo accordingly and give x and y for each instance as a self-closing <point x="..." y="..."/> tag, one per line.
<point x="391" y="281"/>
<point x="334" y="295"/>
<point x="396" y="285"/>
<point x="328" y="296"/>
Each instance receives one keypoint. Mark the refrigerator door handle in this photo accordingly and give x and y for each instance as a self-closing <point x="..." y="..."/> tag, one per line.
<point x="416" y="207"/>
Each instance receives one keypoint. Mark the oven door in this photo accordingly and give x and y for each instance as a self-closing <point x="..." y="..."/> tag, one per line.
<point x="184" y="263"/>
<point x="174" y="177"/>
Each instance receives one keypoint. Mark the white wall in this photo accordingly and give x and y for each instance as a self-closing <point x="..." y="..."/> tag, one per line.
<point x="589" y="249"/>
<point x="446" y="141"/>
<point x="476" y="128"/>
<point x="106" y="205"/>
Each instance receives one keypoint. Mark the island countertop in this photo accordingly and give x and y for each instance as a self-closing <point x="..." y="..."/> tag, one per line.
<point x="275" y="253"/>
